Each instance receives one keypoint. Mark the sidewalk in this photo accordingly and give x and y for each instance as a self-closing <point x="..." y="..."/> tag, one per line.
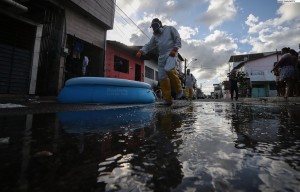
<point x="274" y="100"/>
<point x="279" y="100"/>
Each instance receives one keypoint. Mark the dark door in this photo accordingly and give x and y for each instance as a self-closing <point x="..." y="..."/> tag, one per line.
<point x="137" y="72"/>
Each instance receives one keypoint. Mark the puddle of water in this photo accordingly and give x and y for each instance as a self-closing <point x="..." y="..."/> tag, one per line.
<point x="201" y="147"/>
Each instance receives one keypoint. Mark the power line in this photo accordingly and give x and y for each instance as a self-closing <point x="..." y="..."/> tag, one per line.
<point x="122" y="30"/>
<point x="130" y="19"/>
<point x="107" y="12"/>
<point x="122" y="21"/>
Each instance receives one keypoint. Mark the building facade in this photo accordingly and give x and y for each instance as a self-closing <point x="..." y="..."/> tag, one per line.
<point x="122" y="63"/>
<point x="151" y="72"/>
<point x="257" y="68"/>
<point x="44" y="42"/>
<point x="261" y="79"/>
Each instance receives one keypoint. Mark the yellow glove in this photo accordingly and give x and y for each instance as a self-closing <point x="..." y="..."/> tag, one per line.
<point x="173" y="52"/>
<point x="139" y="54"/>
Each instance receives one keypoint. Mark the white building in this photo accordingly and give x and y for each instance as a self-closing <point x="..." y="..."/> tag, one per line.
<point x="257" y="68"/>
<point x="151" y="72"/>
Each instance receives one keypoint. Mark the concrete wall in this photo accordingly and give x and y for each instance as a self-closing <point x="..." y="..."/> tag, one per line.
<point x="85" y="29"/>
<point x="259" y="72"/>
<point x="102" y="10"/>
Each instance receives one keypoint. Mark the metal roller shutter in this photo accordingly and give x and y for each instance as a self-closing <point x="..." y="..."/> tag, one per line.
<point x="16" y="45"/>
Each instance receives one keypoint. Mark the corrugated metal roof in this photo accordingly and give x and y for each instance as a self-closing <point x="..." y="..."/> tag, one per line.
<point x="250" y="57"/>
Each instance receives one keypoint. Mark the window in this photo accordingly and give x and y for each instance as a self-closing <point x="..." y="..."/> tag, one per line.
<point x="149" y="73"/>
<point x="258" y="86"/>
<point x="121" y="65"/>
<point x="257" y="73"/>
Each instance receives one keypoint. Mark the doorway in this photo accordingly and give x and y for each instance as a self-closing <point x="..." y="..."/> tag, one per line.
<point x="78" y="49"/>
<point x="137" y="72"/>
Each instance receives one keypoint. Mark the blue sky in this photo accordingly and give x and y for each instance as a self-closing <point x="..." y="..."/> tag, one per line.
<point x="212" y="30"/>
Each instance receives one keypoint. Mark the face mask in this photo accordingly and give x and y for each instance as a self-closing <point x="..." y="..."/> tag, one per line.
<point x="159" y="31"/>
<point x="156" y="27"/>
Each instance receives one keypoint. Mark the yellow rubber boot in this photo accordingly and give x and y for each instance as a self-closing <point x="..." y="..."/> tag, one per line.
<point x="186" y="92"/>
<point x="166" y="89"/>
<point x="190" y="93"/>
<point x="175" y="81"/>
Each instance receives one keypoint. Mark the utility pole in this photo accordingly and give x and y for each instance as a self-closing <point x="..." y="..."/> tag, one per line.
<point x="185" y="65"/>
<point x="185" y="68"/>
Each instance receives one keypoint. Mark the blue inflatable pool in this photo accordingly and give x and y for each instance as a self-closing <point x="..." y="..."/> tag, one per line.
<point x="105" y="90"/>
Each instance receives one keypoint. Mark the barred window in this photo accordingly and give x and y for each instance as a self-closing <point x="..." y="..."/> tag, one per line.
<point x="149" y="73"/>
<point x="121" y="65"/>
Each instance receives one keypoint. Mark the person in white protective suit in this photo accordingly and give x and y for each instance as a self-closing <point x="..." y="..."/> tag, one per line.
<point x="168" y="41"/>
<point x="189" y="85"/>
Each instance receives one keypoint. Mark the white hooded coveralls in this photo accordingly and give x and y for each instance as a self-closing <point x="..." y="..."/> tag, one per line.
<point x="165" y="41"/>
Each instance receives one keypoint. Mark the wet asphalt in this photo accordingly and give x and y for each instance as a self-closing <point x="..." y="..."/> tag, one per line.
<point x="211" y="145"/>
<point x="33" y="105"/>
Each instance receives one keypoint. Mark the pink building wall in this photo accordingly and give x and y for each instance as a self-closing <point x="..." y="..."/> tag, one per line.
<point x="111" y="52"/>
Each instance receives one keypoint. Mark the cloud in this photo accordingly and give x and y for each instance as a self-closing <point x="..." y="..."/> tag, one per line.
<point x="211" y="48"/>
<point x="136" y="9"/>
<point x="281" y="37"/>
<point x="252" y="22"/>
<point x="220" y="41"/>
<point x="187" y="32"/>
<point x="218" y="12"/>
<point x="212" y="54"/>
<point x="170" y="3"/>
<point x="274" y="33"/>
<point x="288" y="12"/>
<point x="129" y="7"/>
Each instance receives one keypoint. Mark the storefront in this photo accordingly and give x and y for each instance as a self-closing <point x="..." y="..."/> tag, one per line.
<point x="44" y="43"/>
<point x="83" y="59"/>
<point x="16" y="51"/>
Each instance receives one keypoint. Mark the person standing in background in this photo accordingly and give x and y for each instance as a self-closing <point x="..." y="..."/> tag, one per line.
<point x="189" y="85"/>
<point x="295" y="56"/>
<point x="287" y="71"/>
<point x="85" y="63"/>
<point x="233" y="84"/>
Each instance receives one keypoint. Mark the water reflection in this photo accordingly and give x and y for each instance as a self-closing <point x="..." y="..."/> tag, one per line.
<point x="273" y="136"/>
<point x="200" y="146"/>
<point x="231" y="143"/>
<point x="61" y="152"/>
<point x="154" y="166"/>
<point x="106" y="120"/>
<point x="262" y="124"/>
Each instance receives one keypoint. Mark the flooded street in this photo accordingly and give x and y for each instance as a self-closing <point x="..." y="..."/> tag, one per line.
<point x="199" y="146"/>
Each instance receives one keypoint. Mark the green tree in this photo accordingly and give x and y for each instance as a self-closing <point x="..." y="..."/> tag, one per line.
<point x="243" y="83"/>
